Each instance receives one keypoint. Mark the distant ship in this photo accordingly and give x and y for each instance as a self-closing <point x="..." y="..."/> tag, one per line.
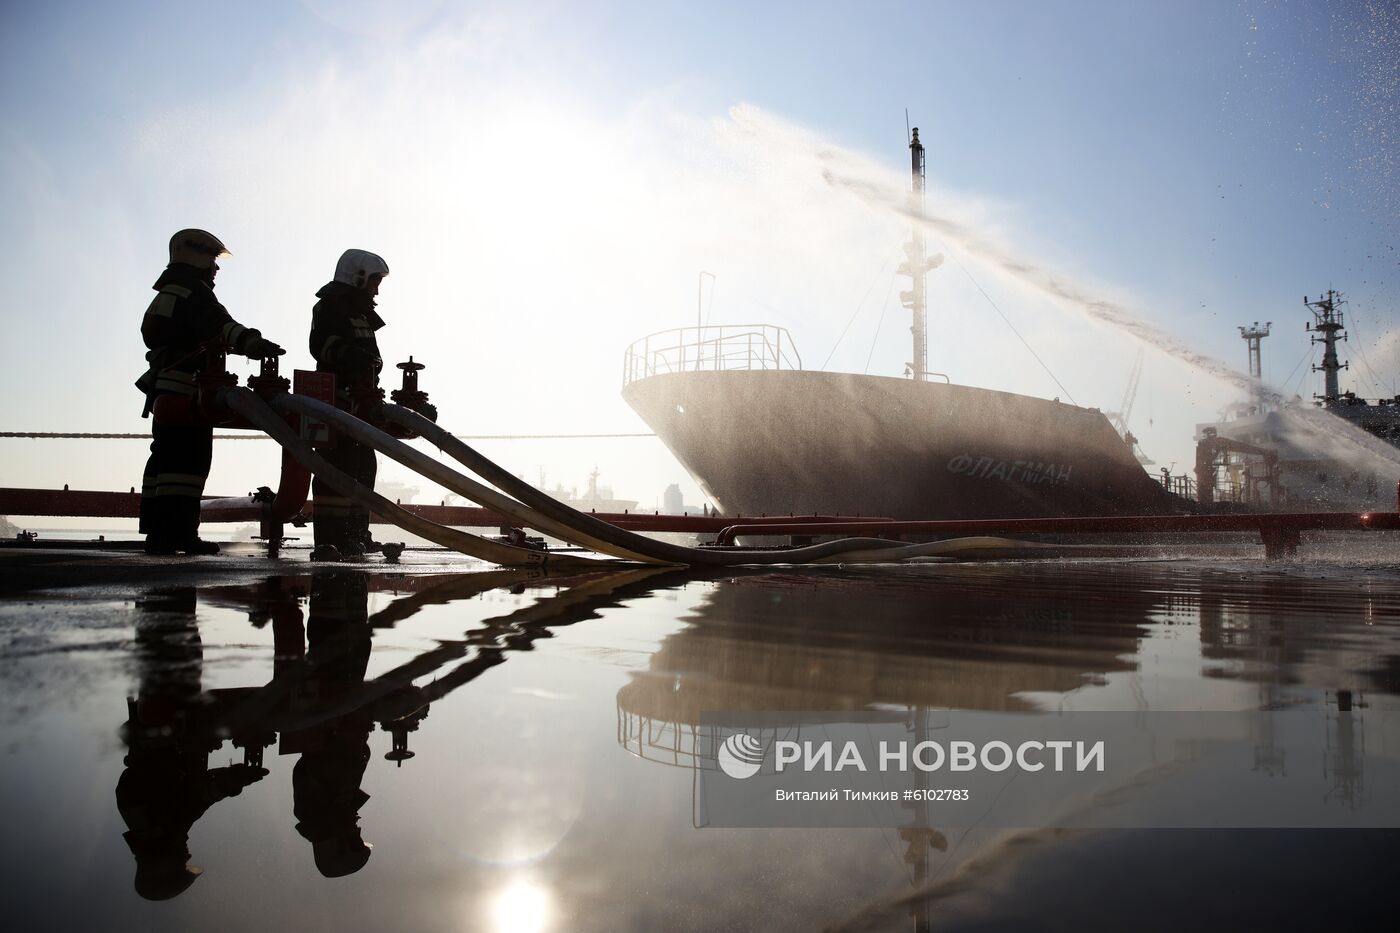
<point x="760" y="434"/>
<point x="595" y="499"/>
<point x="1295" y="465"/>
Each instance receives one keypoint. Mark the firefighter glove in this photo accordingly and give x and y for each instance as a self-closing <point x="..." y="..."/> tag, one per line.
<point x="263" y="348"/>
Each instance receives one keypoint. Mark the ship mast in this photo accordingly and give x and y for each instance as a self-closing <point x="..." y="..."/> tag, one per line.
<point x="1254" y="336"/>
<point x="1329" y="324"/>
<point x="916" y="264"/>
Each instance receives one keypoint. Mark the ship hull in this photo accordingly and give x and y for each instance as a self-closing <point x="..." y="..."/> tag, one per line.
<point x="783" y="441"/>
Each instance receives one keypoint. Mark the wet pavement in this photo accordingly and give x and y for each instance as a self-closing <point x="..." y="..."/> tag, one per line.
<point x="205" y="746"/>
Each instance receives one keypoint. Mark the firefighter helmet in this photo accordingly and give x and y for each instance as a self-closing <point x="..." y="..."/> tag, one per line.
<point x="357" y="266"/>
<point x="161" y="879"/>
<point x="196" y="248"/>
<point x="342" y="854"/>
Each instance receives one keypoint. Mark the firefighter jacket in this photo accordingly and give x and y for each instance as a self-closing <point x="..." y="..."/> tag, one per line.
<point x="183" y="316"/>
<point x="342" y="336"/>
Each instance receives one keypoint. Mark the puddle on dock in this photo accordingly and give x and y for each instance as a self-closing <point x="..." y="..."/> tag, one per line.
<point x="237" y="726"/>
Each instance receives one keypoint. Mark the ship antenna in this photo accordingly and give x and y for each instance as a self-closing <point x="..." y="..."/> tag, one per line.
<point x="916" y="264"/>
<point x="1328" y="322"/>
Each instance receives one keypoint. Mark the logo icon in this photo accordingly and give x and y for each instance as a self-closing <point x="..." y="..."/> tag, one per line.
<point x="741" y="756"/>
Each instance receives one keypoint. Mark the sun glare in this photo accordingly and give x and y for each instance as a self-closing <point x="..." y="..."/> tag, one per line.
<point x="523" y="907"/>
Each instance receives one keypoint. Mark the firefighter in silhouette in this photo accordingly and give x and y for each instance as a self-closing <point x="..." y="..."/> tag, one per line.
<point x="167" y="784"/>
<point x="181" y="320"/>
<point x="326" y="794"/>
<point x="343" y="323"/>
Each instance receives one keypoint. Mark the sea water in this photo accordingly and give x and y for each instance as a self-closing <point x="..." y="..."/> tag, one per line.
<point x="554" y="726"/>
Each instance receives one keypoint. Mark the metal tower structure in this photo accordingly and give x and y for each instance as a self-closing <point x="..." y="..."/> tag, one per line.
<point x="1120" y="417"/>
<point x="1125" y="407"/>
<point x="917" y="264"/>
<point x="1254" y="335"/>
<point x="1328" y="323"/>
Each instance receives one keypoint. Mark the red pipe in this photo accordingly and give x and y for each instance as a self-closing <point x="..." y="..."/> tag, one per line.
<point x="76" y="502"/>
<point x="102" y="504"/>
<point x="292" y="489"/>
<point x="1381" y="521"/>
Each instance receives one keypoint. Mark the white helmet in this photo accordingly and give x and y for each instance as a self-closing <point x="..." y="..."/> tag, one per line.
<point x="357" y="265"/>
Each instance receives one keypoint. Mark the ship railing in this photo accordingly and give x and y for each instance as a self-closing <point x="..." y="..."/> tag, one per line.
<point x="1183" y="484"/>
<point x="717" y="347"/>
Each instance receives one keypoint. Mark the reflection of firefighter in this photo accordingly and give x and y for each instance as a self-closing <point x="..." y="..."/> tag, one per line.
<point x="182" y="318"/>
<point x="167" y="784"/>
<point x="326" y="781"/>
<point x="318" y="704"/>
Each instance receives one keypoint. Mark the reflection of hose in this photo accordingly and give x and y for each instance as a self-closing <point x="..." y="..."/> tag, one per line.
<point x="513" y="632"/>
<point x="457" y="586"/>
<point x="245" y="403"/>
<point x="519" y="630"/>
<point x="596" y="527"/>
<point x="440" y="473"/>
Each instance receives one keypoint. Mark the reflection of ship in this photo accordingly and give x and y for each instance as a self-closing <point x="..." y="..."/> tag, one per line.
<point x="787" y="642"/>
<point x="761" y="434"/>
<point x="1004" y="638"/>
<point x="775" y="642"/>
<point x="1267" y="455"/>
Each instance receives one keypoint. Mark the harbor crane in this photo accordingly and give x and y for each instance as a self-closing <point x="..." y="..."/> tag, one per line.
<point x="1120" y="417"/>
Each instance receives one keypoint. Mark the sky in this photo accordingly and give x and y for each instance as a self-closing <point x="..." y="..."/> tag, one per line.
<point x="548" y="180"/>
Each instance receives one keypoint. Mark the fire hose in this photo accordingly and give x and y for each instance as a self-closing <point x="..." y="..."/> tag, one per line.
<point x="445" y="476"/>
<point x="245" y="403"/>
